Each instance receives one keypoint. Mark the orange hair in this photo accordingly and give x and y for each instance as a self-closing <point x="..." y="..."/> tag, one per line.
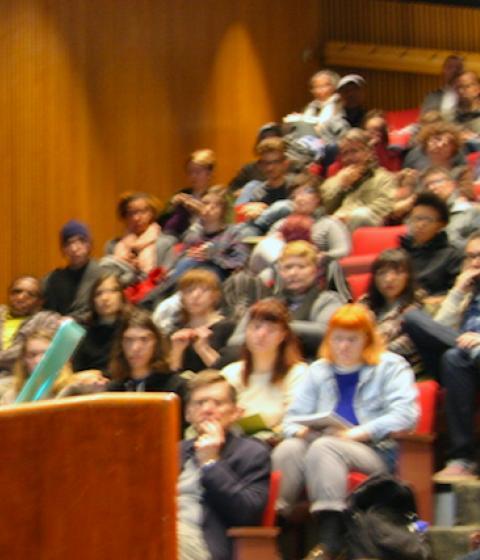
<point x="354" y="317"/>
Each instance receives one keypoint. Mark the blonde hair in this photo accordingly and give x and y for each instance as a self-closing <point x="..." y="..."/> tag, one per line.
<point x="271" y="145"/>
<point x="20" y="373"/>
<point x="205" y="158"/>
<point x="299" y="249"/>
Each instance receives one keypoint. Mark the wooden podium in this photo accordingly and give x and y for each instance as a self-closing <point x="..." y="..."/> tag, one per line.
<point x="89" y="478"/>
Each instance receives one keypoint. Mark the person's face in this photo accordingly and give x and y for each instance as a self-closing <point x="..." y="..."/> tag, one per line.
<point x="24" y="297"/>
<point x="77" y="251"/>
<point x="424" y="223"/>
<point x="199" y="299"/>
<point x="472" y="254"/>
<point x="354" y="153"/>
<point x="212" y="403"/>
<point x="274" y="165"/>
<point x="352" y="95"/>
<point x="440" y="185"/>
<point x="377" y="129"/>
<point x="305" y="200"/>
<point x="263" y="336"/>
<point x="347" y="346"/>
<point x="198" y="176"/>
<point x="108" y="298"/>
<point x="468" y="86"/>
<point x="212" y="209"/>
<point x="441" y="147"/>
<point x="138" y="216"/>
<point x="298" y="274"/>
<point x="138" y="345"/>
<point x="322" y="87"/>
<point x="34" y="352"/>
<point x="451" y="69"/>
<point x="391" y="282"/>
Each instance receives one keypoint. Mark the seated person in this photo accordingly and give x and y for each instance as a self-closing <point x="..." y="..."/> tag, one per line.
<point x="464" y="217"/>
<point x="435" y="260"/>
<point x="324" y="115"/>
<point x="468" y="111"/>
<point x="201" y="331"/>
<point x="33" y="348"/>
<point x="20" y="317"/>
<point x="253" y="171"/>
<point x="224" y="479"/>
<point x="142" y="248"/>
<point x="138" y="359"/>
<point x="185" y="205"/>
<point x="445" y="100"/>
<point x="439" y="145"/>
<point x="351" y="89"/>
<point x="66" y="290"/>
<point x="375" y="124"/>
<point x="450" y="348"/>
<point x="391" y="293"/>
<point x="371" y="389"/>
<point x="255" y="197"/>
<point x="361" y="193"/>
<point x="328" y="234"/>
<point x="211" y="243"/>
<point x="405" y="188"/>
<point x="266" y="377"/>
<point x="301" y="289"/>
<point x="107" y="307"/>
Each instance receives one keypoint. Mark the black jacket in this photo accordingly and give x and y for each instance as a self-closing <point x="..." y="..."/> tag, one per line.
<point x="235" y="490"/>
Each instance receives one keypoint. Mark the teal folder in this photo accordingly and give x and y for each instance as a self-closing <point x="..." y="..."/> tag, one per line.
<point x="63" y="345"/>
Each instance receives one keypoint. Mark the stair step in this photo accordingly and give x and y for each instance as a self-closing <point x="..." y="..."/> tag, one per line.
<point x="468" y="502"/>
<point x="449" y="543"/>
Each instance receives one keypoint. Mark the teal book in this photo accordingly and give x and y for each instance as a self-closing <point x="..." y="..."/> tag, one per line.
<point x="63" y="345"/>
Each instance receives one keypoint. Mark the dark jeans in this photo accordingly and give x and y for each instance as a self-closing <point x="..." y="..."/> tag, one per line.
<point x="431" y="339"/>
<point x="460" y="376"/>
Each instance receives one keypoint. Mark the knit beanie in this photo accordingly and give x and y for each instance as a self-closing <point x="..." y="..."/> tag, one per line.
<point x="72" y="229"/>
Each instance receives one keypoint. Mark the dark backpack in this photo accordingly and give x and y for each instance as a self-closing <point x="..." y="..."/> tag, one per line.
<point x="382" y="522"/>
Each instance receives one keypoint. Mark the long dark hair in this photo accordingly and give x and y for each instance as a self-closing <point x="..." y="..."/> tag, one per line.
<point x="118" y="366"/>
<point x="288" y="353"/>
<point x="396" y="259"/>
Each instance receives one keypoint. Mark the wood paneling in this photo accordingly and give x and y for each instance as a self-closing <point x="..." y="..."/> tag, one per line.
<point x="102" y="96"/>
<point x="411" y="24"/>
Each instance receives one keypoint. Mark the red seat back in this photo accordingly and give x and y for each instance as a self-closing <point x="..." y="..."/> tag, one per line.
<point x="374" y="240"/>
<point x="359" y="284"/>
<point x="268" y="519"/>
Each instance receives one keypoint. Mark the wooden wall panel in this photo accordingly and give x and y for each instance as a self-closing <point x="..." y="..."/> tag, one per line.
<point x="102" y="96"/>
<point x="401" y="23"/>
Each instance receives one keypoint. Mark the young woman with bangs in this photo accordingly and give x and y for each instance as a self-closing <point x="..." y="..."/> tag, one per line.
<point x="271" y="367"/>
<point x="201" y="330"/>
<point x="370" y="388"/>
<point x="392" y="292"/>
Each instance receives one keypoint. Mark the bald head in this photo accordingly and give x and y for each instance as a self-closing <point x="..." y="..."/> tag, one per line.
<point x="24" y="296"/>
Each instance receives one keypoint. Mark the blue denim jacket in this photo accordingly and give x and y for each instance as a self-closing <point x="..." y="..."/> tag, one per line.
<point x="384" y="401"/>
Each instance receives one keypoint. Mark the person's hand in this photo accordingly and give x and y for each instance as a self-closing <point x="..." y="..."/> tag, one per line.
<point x="198" y="253"/>
<point x="468" y="340"/>
<point x="182" y="338"/>
<point x="303" y="432"/>
<point x="202" y="335"/>
<point x="209" y="442"/>
<point x="179" y="198"/>
<point x="252" y="210"/>
<point x="349" y="175"/>
<point x="193" y="204"/>
<point x="466" y="279"/>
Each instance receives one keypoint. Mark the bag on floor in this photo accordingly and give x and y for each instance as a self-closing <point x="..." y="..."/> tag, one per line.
<point x="382" y="522"/>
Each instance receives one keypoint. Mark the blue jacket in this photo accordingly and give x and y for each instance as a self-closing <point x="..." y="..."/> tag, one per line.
<point x="235" y="490"/>
<point x="384" y="401"/>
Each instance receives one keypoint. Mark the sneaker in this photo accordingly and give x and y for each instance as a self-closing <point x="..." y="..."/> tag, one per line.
<point x="456" y="471"/>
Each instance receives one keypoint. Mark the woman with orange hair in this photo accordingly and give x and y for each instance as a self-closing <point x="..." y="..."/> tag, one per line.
<point x="373" y="392"/>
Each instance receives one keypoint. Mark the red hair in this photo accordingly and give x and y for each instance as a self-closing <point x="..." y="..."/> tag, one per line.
<point x="354" y="317"/>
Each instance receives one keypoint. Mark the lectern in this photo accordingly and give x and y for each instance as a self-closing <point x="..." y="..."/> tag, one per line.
<point x="89" y="478"/>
